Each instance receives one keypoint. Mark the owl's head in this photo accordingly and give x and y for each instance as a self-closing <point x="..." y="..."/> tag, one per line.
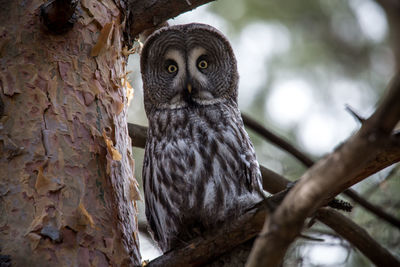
<point x="188" y="65"/>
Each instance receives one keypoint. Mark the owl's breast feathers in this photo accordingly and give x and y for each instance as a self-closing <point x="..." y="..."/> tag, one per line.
<point x="199" y="170"/>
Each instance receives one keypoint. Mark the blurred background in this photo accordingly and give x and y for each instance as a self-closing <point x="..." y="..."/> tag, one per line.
<point x="300" y="63"/>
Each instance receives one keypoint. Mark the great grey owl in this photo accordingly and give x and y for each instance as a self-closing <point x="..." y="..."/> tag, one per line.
<point x="200" y="167"/>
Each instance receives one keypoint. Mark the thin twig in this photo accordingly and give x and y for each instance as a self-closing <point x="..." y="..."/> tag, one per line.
<point x="354" y="114"/>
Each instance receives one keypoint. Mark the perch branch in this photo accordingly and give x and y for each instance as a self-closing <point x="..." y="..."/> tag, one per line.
<point x="344" y="167"/>
<point x="204" y="249"/>
<point x="273" y="183"/>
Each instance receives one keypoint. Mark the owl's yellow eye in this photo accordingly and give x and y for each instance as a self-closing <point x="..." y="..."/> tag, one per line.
<point x="172" y="68"/>
<point x="202" y="64"/>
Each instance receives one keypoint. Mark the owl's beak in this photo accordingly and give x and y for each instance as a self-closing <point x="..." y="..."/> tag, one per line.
<point x="189" y="88"/>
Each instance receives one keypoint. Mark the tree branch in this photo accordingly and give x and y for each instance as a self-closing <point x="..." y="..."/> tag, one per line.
<point x="330" y="176"/>
<point x="204" y="249"/>
<point x="280" y="142"/>
<point x="58" y="15"/>
<point x="308" y="162"/>
<point x="373" y="208"/>
<point x="392" y="9"/>
<point x="358" y="237"/>
<point x="273" y="183"/>
<point x="144" y="14"/>
<point x="389" y="176"/>
<point x="138" y="134"/>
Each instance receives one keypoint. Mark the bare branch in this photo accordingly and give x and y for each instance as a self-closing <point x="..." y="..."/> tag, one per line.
<point x="330" y="176"/>
<point x="376" y="210"/>
<point x="280" y="142"/>
<point x="308" y="162"/>
<point x="138" y="134"/>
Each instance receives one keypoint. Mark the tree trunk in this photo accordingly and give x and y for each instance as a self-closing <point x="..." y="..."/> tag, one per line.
<point x="67" y="190"/>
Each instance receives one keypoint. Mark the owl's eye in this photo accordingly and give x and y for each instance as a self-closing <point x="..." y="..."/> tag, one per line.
<point x="202" y="64"/>
<point x="172" y="68"/>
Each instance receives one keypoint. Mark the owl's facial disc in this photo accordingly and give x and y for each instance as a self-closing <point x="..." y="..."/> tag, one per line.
<point x="190" y="82"/>
<point x="185" y="65"/>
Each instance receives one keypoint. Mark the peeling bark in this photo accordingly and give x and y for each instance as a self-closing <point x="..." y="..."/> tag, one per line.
<point x="66" y="197"/>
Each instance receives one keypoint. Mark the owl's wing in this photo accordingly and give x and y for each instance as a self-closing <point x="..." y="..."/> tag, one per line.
<point x="150" y="201"/>
<point x="251" y="168"/>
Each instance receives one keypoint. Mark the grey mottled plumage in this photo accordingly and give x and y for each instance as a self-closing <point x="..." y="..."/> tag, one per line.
<point x="199" y="167"/>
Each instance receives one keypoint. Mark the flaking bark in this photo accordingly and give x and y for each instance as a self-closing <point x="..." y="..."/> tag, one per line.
<point x="67" y="191"/>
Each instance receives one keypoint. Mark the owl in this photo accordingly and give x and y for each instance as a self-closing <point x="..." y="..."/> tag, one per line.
<point x="200" y="168"/>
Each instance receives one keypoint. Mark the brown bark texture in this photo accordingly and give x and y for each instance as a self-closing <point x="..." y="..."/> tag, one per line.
<point x="67" y="186"/>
